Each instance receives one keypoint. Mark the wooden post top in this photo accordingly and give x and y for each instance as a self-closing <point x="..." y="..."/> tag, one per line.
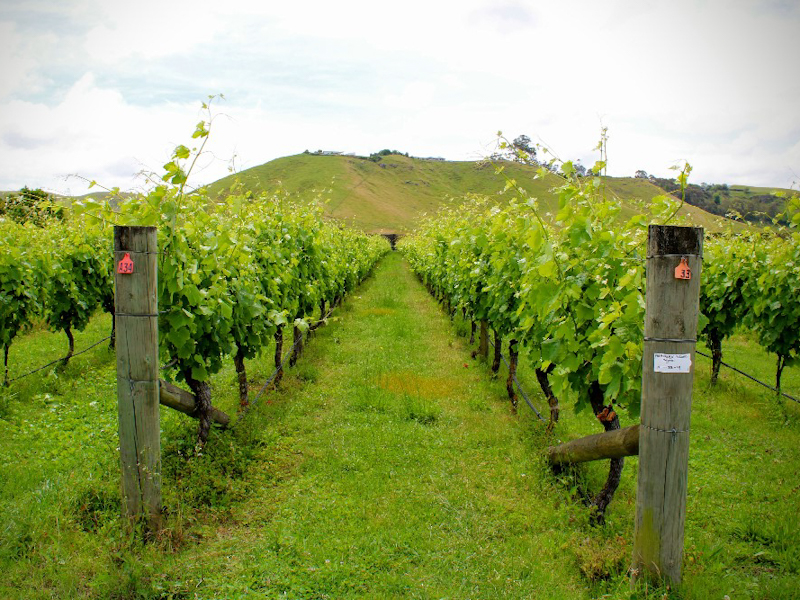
<point x="671" y="239"/>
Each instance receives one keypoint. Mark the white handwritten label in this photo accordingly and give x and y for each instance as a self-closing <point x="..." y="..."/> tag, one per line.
<point x="672" y="363"/>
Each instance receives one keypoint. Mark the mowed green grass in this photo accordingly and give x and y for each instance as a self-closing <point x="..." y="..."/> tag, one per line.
<point x="395" y="194"/>
<point x="388" y="465"/>
<point x="399" y="473"/>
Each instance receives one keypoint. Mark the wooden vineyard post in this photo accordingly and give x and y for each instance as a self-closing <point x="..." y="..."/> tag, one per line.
<point x="674" y="262"/>
<point x="136" y="313"/>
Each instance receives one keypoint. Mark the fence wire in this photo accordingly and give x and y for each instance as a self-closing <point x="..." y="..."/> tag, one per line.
<point x="58" y="360"/>
<point x="766" y="385"/>
<point x="284" y="358"/>
<point x="519" y="387"/>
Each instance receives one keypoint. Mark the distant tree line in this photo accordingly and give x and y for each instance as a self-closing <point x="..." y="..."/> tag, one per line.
<point x="378" y="156"/>
<point x="30" y="206"/>
<point x="724" y="200"/>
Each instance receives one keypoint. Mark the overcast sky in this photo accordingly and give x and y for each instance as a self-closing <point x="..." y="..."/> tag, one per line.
<point x="106" y="88"/>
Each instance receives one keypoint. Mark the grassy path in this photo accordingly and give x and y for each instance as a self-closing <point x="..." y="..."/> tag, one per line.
<point x="391" y="477"/>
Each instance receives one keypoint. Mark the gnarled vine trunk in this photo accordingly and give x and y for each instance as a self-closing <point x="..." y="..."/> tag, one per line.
<point x="513" y="357"/>
<point x="483" y="341"/>
<point x="781" y="365"/>
<point x="473" y="327"/>
<point x="318" y="324"/>
<point x="5" y="365"/>
<point x="715" y="345"/>
<point x="297" y="345"/>
<point x="552" y="400"/>
<point x="107" y="303"/>
<point x="278" y="355"/>
<point x="71" y="351"/>
<point x="498" y="341"/>
<point x="202" y="394"/>
<point x="610" y="421"/>
<point x="241" y="374"/>
<point x="112" y="343"/>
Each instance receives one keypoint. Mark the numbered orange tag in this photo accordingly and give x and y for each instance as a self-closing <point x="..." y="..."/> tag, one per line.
<point x="682" y="271"/>
<point x="125" y="266"/>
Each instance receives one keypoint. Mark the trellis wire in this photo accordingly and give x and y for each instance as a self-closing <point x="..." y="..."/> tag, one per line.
<point x="284" y="358"/>
<point x="766" y="385"/>
<point x="58" y="360"/>
<point x="519" y="387"/>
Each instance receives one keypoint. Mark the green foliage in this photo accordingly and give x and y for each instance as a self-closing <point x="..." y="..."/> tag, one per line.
<point x="400" y="508"/>
<point x="752" y="281"/>
<point x="229" y="272"/>
<point x="24" y="271"/>
<point x="79" y="277"/>
<point x="772" y="298"/>
<point x="725" y="270"/>
<point x="60" y="273"/>
<point x="572" y="293"/>
<point x="792" y="208"/>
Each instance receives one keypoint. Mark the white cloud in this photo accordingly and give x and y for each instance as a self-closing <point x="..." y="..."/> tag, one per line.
<point x="91" y="132"/>
<point x="19" y="59"/>
<point x="712" y="82"/>
<point x="149" y="29"/>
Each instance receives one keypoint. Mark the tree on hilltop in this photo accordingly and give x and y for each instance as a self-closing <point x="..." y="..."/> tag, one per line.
<point x="34" y="206"/>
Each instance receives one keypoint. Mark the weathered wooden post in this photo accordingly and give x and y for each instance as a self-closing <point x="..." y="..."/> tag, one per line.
<point x="674" y="262"/>
<point x="136" y="313"/>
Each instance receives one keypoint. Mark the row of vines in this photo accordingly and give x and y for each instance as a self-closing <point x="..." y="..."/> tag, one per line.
<point x="569" y="289"/>
<point x="233" y="273"/>
<point x="59" y="274"/>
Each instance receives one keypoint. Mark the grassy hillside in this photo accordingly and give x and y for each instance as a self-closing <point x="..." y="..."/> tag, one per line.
<point x="392" y="195"/>
<point x="756" y="205"/>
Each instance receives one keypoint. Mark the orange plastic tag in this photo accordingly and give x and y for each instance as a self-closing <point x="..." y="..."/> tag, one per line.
<point x="125" y="266"/>
<point x="682" y="271"/>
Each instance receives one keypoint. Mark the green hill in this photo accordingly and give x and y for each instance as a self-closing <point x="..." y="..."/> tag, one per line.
<point x="393" y="194"/>
<point x="757" y="205"/>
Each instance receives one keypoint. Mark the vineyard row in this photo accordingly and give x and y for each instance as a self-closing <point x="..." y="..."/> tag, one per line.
<point x="232" y="276"/>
